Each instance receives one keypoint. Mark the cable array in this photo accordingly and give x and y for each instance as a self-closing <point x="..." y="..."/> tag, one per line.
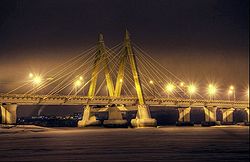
<point x="60" y="80"/>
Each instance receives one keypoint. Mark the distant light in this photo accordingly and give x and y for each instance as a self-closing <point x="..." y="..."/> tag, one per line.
<point x="121" y="80"/>
<point x="192" y="89"/>
<point x="31" y="75"/>
<point x="81" y="78"/>
<point x="151" y="82"/>
<point x="182" y="84"/>
<point x="231" y="87"/>
<point x="230" y="92"/>
<point x="170" y="88"/>
<point x="77" y="83"/>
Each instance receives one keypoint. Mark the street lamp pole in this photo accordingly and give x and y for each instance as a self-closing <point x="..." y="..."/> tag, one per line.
<point x="234" y="95"/>
<point x="152" y="87"/>
<point x="211" y="91"/>
<point x="232" y="90"/>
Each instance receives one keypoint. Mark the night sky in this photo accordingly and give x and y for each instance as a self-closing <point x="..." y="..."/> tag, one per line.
<point x="197" y="40"/>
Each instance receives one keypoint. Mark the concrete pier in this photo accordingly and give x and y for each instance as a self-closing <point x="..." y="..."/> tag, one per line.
<point x="247" y="112"/>
<point x="227" y="116"/>
<point x="210" y="116"/>
<point x="143" y="118"/>
<point x="8" y="113"/>
<point x="115" y="118"/>
<point x="184" y="117"/>
<point x="88" y="119"/>
<point x="210" y="113"/>
<point x="184" y="114"/>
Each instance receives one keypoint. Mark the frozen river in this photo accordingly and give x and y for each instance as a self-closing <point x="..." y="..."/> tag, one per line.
<point x="150" y="144"/>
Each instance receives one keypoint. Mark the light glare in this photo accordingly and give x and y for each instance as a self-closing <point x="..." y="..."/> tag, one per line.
<point x="182" y="84"/>
<point x="211" y="90"/>
<point x="170" y="87"/>
<point x="37" y="80"/>
<point x="30" y="75"/>
<point x="192" y="89"/>
<point x="230" y="92"/>
<point x="77" y="83"/>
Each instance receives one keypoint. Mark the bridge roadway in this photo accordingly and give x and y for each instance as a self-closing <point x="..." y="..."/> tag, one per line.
<point x="10" y="102"/>
<point x="20" y="99"/>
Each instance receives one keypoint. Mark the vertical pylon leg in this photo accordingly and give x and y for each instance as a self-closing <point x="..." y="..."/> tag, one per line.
<point x="9" y="113"/>
<point x="227" y="116"/>
<point x="88" y="119"/>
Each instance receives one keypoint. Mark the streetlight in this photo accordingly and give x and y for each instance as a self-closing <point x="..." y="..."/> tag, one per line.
<point x="182" y="84"/>
<point x="36" y="80"/>
<point x="247" y="93"/>
<point x="152" y="83"/>
<point x="232" y="91"/>
<point x="170" y="88"/>
<point x="31" y="75"/>
<point x="211" y="90"/>
<point x="77" y="84"/>
<point x="82" y="81"/>
<point x="191" y="90"/>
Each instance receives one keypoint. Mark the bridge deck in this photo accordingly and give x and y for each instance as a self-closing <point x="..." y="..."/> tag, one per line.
<point x="104" y="100"/>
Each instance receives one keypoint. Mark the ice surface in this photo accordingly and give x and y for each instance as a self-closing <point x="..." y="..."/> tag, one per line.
<point x="32" y="143"/>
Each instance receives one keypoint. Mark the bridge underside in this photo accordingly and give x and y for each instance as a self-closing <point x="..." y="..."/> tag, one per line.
<point x="8" y="114"/>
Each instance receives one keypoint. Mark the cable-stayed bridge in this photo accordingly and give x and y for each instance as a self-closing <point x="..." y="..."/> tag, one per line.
<point x="122" y="78"/>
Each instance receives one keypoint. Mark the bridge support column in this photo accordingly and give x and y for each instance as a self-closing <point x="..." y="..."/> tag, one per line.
<point x="184" y="117"/>
<point x="247" y="122"/>
<point x="210" y="116"/>
<point x="115" y="118"/>
<point x="8" y="113"/>
<point x="143" y="118"/>
<point x="227" y="116"/>
<point x="88" y="119"/>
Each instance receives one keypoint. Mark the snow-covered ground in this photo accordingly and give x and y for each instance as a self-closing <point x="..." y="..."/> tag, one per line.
<point x="32" y="143"/>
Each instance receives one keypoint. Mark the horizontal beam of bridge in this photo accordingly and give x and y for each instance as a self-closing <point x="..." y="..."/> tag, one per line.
<point x="104" y="100"/>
